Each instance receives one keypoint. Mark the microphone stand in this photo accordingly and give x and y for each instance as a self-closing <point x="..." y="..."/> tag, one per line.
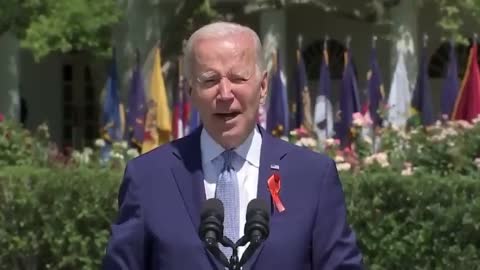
<point x="212" y="246"/>
<point x="234" y="263"/>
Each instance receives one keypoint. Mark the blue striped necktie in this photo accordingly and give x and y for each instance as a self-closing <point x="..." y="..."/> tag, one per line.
<point x="227" y="192"/>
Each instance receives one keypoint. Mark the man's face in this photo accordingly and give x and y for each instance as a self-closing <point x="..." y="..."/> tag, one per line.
<point x="227" y="87"/>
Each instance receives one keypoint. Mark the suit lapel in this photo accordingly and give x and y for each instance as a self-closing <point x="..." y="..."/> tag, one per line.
<point x="271" y="153"/>
<point x="188" y="174"/>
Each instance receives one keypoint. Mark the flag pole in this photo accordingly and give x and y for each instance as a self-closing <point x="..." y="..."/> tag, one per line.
<point x="325" y="59"/>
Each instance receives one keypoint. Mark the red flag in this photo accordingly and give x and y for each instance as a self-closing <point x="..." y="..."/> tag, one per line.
<point x="467" y="105"/>
<point x="176" y="125"/>
<point x="186" y="107"/>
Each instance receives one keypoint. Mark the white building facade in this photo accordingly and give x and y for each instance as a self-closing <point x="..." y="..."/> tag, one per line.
<point x="64" y="90"/>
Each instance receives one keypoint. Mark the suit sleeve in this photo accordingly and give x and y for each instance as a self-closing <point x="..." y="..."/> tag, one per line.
<point x="126" y="246"/>
<point x="334" y="242"/>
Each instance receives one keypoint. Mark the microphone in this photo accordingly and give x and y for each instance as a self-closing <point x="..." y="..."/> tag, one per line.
<point x="211" y="228"/>
<point x="257" y="227"/>
<point x="257" y="221"/>
<point x="211" y="222"/>
<point x="256" y="230"/>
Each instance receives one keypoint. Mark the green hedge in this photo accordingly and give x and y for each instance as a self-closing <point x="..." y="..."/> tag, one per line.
<point x="54" y="218"/>
<point x="59" y="219"/>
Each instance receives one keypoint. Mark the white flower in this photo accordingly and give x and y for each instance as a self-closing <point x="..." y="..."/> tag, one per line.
<point x="87" y="151"/>
<point x="339" y="159"/>
<point x="99" y="143"/>
<point x="477" y="162"/>
<point x="311" y="142"/>
<point x="124" y="145"/>
<point x="330" y="141"/>
<point x="132" y="152"/>
<point x="344" y="166"/>
<point x="81" y="158"/>
<point x="476" y="120"/>
<point x="464" y="124"/>
<point x="369" y="160"/>
<point x="76" y="155"/>
<point x="85" y="158"/>
<point x="120" y="145"/>
<point x="306" y="142"/>
<point x="117" y="155"/>
<point x="396" y="128"/>
<point x="449" y="132"/>
<point x="380" y="158"/>
<point x="367" y="139"/>
<point x="285" y="138"/>
<point x="404" y="135"/>
<point x="407" y="171"/>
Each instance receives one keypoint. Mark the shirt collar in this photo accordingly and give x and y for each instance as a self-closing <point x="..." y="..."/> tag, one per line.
<point x="248" y="150"/>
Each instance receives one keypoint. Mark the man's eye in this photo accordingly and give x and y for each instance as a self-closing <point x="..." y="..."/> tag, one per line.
<point x="209" y="80"/>
<point x="239" y="80"/>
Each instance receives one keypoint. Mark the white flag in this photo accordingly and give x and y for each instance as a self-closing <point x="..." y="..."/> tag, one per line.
<point x="323" y="118"/>
<point x="400" y="96"/>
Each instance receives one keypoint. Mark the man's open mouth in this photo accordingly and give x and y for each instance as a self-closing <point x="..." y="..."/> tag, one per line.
<point x="227" y="116"/>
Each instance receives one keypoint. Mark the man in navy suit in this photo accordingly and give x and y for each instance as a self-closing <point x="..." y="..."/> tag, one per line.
<point x="163" y="190"/>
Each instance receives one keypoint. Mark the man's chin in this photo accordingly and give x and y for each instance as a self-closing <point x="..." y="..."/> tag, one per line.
<point x="231" y="136"/>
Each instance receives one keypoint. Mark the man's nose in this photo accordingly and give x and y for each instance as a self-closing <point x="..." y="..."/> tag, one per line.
<point x="225" y="89"/>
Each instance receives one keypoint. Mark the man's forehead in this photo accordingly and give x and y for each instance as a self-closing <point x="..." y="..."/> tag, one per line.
<point x="234" y="55"/>
<point x="234" y="43"/>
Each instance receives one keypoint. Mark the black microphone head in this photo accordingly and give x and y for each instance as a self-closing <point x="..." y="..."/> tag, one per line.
<point x="258" y="207"/>
<point x="211" y="221"/>
<point x="212" y="207"/>
<point x="257" y="220"/>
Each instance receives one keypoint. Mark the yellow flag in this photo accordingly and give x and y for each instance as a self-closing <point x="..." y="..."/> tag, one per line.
<point x="158" y="124"/>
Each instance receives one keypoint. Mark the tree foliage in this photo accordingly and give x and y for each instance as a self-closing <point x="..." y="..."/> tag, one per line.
<point x="45" y="26"/>
<point x="452" y="12"/>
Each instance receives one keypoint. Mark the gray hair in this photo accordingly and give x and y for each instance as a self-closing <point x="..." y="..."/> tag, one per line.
<point x="215" y="30"/>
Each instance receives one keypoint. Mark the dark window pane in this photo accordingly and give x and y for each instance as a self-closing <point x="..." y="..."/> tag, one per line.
<point x="87" y="74"/>
<point x="91" y="132"/>
<point x="67" y="132"/>
<point x="89" y="93"/>
<point x="67" y="112"/>
<point x="90" y="112"/>
<point x="67" y="73"/>
<point x="67" y="93"/>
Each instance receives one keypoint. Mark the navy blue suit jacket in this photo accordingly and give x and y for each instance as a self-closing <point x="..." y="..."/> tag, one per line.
<point x="161" y="196"/>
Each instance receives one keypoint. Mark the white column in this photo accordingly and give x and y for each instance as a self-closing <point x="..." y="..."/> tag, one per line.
<point x="141" y="29"/>
<point x="273" y="35"/>
<point x="405" y="32"/>
<point x="9" y="76"/>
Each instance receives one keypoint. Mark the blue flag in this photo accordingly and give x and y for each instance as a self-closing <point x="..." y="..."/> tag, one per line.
<point x="422" y="98"/>
<point x="451" y="84"/>
<point x="323" y="104"/>
<point x="375" y="89"/>
<point x="277" y="115"/>
<point x="301" y="85"/>
<point x="349" y="100"/>
<point x="137" y="108"/>
<point x="112" y="124"/>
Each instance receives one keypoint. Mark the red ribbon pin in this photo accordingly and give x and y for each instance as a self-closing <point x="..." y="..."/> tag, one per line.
<point x="274" y="187"/>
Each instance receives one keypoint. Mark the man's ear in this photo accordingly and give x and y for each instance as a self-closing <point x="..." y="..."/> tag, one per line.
<point x="264" y="88"/>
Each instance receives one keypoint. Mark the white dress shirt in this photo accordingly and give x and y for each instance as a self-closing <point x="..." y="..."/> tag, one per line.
<point x="246" y="166"/>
